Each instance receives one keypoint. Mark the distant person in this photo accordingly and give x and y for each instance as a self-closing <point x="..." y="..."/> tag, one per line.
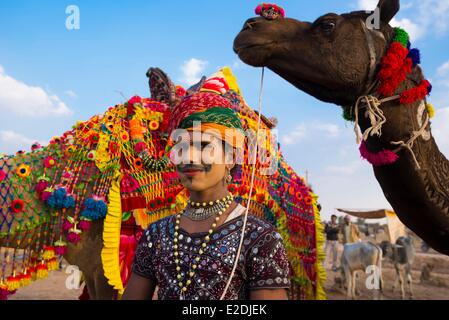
<point x="350" y="231"/>
<point x="332" y="230"/>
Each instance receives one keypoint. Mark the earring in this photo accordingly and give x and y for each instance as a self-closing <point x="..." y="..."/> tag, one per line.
<point x="228" y="176"/>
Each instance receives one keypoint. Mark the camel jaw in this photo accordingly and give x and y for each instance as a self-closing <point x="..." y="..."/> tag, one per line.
<point x="255" y="55"/>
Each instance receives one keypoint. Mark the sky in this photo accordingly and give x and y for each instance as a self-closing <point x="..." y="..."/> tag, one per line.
<point x="51" y="76"/>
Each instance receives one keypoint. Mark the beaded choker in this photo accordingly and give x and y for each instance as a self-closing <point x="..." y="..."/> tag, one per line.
<point x="201" y="211"/>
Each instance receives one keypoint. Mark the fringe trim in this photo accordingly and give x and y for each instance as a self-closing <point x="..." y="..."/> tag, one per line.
<point x="320" y="294"/>
<point x="111" y="237"/>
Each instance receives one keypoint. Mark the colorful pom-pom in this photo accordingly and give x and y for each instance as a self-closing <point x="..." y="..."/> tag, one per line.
<point x="414" y="54"/>
<point x="270" y="11"/>
<point x="430" y="110"/>
<point x="381" y="158"/>
<point x="400" y="35"/>
<point x="94" y="208"/>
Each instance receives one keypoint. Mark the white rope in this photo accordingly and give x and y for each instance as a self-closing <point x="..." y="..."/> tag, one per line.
<point x="409" y="144"/>
<point x="377" y="119"/>
<point x="237" y="257"/>
<point x="374" y="113"/>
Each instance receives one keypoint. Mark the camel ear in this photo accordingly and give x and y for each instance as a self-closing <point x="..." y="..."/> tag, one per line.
<point x="161" y="87"/>
<point x="388" y="9"/>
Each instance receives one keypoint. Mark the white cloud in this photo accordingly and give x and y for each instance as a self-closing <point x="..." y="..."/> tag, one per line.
<point x="191" y="70"/>
<point x="440" y="130"/>
<point x="443" y="69"/>
<point x="25" y="100"/>
<point x="311" y="130"/>
<point x="71" y="94"/>
<point x="347" y="169"/>
<point x="331" y="130"/>
<point x="295" y="136"/>
<point x="367" y="4"/>
<point x="422" y="16"/>
<point x="414" y="30"/>
<point x="13" y="141"/>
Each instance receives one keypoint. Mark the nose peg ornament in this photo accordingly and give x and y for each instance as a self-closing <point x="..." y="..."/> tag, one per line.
<point x="270" y="11"/>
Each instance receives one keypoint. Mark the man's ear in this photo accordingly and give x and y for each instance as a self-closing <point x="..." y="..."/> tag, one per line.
<point x="388" y="9"/>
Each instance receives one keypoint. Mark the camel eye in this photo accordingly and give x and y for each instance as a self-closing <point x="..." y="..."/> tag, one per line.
<point x="327" y="26"/>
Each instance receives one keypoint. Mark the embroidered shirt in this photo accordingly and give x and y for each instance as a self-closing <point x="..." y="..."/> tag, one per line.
<point x="262" y="263"/>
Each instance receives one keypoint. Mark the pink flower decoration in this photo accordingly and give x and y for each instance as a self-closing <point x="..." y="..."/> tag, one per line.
<point x="2" y="175"/>
<point x="139" y="147"/>
<point x="133" y="100"/>
<point x="49" y="162"/>
<point x="45" y="195"/>
<point x="128" y="184"/>
<point x="66" y="225"/>
<point x="60" y="250"/>
<point x="41" y="186"/>
<point x="84" y="225"/>
<point x="35" y="146"/>
<point x="73" y="237"/>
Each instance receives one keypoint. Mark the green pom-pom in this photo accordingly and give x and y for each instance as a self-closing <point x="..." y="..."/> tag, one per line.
<point x="400" y="35"/>
<point x="347" y="114"/>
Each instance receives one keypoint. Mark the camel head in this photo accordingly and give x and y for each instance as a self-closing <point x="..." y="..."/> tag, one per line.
<point x="329" y="58"/>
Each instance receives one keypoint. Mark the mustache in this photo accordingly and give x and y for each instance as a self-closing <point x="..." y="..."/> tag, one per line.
<point x="187" y="167"/>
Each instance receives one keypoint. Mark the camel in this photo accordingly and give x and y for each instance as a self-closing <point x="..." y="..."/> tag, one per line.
<point x="336" y="59"/>
<point x="283" y="198"/>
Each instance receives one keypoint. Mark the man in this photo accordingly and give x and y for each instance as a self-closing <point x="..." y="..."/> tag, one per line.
<point x="190" y="255"/>
<point x="332" y="229"/>
<point x="350" y="231"/>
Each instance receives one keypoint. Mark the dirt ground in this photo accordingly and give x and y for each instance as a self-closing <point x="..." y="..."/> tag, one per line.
<point x="54" y="287"/>
<point x="435" y="289"/>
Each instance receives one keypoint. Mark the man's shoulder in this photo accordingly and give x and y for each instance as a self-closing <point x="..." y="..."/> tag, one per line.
<point x="158" y="225"/>
<point x="257" y="222"/>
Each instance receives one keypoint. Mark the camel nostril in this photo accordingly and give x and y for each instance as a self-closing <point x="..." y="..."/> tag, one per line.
<point x="249" y="24"/>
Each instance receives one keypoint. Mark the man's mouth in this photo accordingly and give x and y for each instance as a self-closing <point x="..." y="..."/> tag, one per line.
<point x="191" y="170"/>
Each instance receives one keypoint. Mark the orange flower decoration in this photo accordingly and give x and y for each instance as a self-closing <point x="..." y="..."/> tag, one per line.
<point x="308" y="200"/>
<point x="23" y="171"/>
<point x="138" y="164"/>
<point x="124" y="136"/>
<point x="154" y="125"/>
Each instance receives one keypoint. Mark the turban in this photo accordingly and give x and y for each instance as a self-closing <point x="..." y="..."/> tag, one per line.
<point x="209" y="111"/>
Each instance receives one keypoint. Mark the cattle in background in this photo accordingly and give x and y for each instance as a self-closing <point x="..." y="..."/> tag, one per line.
<point x="402" y="255"/>
<point x="359" y="256"/>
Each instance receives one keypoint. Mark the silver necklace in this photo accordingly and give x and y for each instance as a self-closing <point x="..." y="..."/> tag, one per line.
<point x="203" y="212"/>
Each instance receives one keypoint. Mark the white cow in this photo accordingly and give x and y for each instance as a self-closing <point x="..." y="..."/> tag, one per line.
<point x="359" y="256"/>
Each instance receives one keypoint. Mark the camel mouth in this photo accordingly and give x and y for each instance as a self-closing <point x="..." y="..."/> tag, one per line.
<point x="251" y="51"/>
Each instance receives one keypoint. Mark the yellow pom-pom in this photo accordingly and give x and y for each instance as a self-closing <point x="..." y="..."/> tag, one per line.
<point x="13" y="283"/>
<point x="52" y="264"/>
<point x="430" y="110"/>
<point x="41" y="274"/>
<point x="48" y="254"/>
<point x="26" y="280"/>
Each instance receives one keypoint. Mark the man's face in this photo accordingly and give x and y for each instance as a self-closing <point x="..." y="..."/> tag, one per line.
<point x="334" y="219"/>
<point x="201" y="162"/>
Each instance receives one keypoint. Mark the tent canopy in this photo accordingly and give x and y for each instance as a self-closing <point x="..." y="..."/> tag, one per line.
<point x="374" y="214"/>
